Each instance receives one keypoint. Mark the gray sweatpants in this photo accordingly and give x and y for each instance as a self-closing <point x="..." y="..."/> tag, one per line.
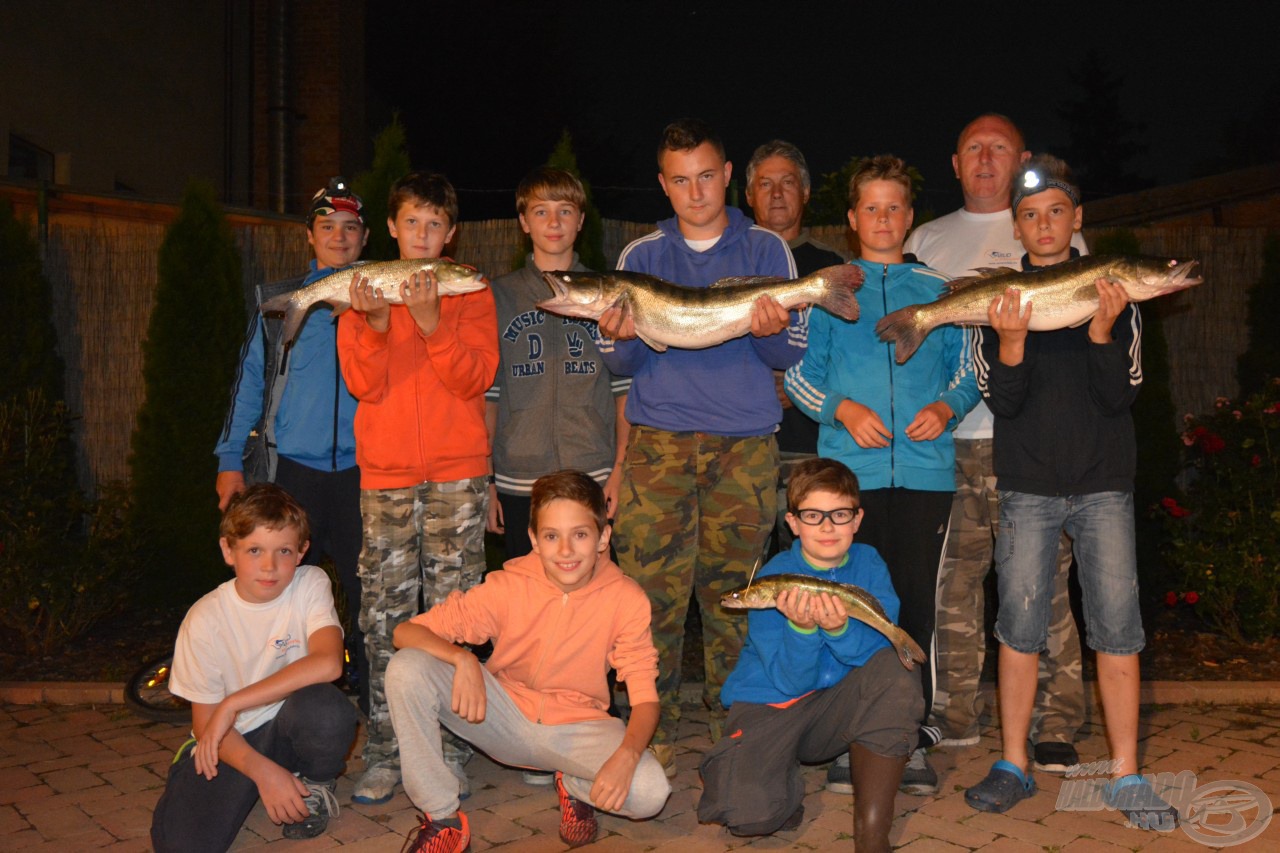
<point x="419" y="691"/>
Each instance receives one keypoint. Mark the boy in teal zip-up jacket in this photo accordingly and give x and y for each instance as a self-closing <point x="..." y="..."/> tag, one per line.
<point x="891" y="423"/>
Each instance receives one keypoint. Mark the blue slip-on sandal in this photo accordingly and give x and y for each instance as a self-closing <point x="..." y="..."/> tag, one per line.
<point x="1005" y="786"/>
<point x="1134" y="796"/>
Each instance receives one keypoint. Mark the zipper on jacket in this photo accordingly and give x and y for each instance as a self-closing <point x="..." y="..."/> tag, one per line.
<point x="888" y="354"/>
<point x="333" y="465"/>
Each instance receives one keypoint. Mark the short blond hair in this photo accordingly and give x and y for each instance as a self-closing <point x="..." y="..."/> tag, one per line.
<point x="882" y="167"/>
<point x="550" y="184"/>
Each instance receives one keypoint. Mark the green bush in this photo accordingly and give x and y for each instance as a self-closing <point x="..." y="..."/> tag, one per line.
<point x="1223" y="551"/>
<point x="65" y="563"/>
<point x="390" y="164"/>
<point x="189" y="361"/>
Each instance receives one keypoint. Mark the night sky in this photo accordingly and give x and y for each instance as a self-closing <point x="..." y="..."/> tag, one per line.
<point x="484" y="88"/>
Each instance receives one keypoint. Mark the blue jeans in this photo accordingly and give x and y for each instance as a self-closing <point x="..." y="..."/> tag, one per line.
<point x="1100" y="526"/>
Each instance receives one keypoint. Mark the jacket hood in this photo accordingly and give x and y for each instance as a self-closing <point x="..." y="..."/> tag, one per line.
<point x="738" y="223"/>
<point x="530" y="566"/>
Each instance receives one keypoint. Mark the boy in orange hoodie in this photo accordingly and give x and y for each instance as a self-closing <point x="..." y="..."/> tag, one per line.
<point x="558" y="619"/>
<point x="419" y="371"/>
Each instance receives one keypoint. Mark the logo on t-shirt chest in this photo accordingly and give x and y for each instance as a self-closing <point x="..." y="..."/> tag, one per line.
<point x="282" y="645"/>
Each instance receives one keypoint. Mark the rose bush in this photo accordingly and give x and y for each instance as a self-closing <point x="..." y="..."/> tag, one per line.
<point x="1223" y="532"/>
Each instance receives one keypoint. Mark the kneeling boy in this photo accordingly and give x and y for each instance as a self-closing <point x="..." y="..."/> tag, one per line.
<point x="812" y="683"/>
<point x="255" y="657"/>
<point x="558" y="619"/>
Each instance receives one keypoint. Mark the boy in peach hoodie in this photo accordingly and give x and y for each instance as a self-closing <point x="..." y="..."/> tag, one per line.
<point x="558" y="618"/>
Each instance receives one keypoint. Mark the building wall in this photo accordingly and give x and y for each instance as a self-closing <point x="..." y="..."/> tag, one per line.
<point x="129" y="95"/>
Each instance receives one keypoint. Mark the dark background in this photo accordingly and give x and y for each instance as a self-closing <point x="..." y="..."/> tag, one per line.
<point x="484" y="88"/>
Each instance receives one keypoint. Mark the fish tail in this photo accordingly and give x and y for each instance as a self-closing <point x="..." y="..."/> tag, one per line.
<point x="294" y="313"/>
<point x="904" y="329"/>
<point x="837" y="296"/>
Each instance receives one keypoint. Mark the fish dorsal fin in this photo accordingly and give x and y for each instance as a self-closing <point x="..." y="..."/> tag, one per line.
<point x="984" y="275"/>
<point x="748" y="280"/>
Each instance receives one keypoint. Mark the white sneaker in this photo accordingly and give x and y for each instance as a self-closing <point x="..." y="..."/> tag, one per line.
<point x="960" y="741"/>
<point x="538" y="777"/>
<point x="376" y="785"/>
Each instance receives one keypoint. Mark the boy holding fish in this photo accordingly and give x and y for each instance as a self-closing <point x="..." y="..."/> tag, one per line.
<point x="890" y="423"/>
<point x="558" y="618"/>
<point x="554" y="403"/>
<point x="419" y="370"/>
<point x="817" y="676"/>
<point x="1065" y="459"/>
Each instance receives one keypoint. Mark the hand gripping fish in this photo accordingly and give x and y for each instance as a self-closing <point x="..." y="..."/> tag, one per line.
<point x="452" y="280"/>
<point x="861" y="605"/>
<point x="670" y="315"/>
<point x="1063" y="295"/>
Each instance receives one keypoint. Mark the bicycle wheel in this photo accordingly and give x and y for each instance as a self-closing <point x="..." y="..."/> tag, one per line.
<point x="147" y="693"/>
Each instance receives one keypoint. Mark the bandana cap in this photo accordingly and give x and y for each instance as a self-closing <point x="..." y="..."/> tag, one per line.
<point x="333" y="198"/>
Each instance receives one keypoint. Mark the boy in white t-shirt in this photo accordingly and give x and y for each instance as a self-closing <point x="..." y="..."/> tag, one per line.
<point x="255" y="657"/>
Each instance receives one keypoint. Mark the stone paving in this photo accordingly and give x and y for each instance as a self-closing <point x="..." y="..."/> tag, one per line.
<point x="86" y="777"/>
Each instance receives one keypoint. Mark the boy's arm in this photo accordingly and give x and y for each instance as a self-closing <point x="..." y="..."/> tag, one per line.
<point x="363" y="356"/>
<point x="321" y="664"/>
<point x="613" y="781"/>
<point x="244" y="413"/>
<point x="281" y="792"/>
<point x="464" y="346"/>
<point x="785" y="348"/>
<point x="621" y="434"/>
<point x="1115" y="351"/>
<point x="961" y="393"/>
<point x="494" y="522"/>
<point x="468" y="700"/>
<point x="1007" y="354"/>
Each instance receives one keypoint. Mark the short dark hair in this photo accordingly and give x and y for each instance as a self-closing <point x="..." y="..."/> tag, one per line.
<point x="430" y="188"/>
<point x="882" y="167"/>
<point x="571" y="486"/>
<point x="778" y="148"/>
<point x="687" y="134"/>
<point x="263" y="505"/>
<point x="547" y="182"/>
<point x="821" y="475"/>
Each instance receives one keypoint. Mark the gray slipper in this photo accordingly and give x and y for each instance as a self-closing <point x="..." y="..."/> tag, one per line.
<point x="1005" y="786"/>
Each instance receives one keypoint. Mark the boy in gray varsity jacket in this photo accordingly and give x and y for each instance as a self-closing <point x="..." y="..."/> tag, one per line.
<point x="553" y="404"/>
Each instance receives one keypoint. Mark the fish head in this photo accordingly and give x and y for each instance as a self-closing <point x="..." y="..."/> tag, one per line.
<point x="581" y="294"/>
<point x="1149" y="277"/>
<point x="455" y="279"/>
<point x="754" y="597"/>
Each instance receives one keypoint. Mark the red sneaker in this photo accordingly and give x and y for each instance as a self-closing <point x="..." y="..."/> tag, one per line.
<point x="437" y="838"/>
<point x="578" y="824"/>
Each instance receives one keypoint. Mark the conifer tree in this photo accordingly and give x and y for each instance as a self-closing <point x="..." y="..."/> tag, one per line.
<point x="390" y="164"/>
<point x="189" y="359"/>
<point x="1261" y="359"/>
<point x="28" y="344"/>
<point x="590" y="245"/>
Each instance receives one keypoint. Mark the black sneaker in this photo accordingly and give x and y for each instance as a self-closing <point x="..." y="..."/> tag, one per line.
<point x="321" y="805"/>
<point x="839" y="776"/>
<point x="1055" y="757"/>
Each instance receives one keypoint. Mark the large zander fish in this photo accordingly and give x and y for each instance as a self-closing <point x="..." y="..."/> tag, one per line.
<point x="763" y="593"/>
<point x="670" y="315"/>
<point x="1063" y="295"/>
<point x="334" y="289"/>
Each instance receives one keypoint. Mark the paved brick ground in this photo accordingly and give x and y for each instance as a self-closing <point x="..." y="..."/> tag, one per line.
<point x="86" y="777"/>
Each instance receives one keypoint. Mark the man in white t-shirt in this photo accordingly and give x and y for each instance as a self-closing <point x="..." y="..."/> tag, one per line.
<point x="980" y="234"/>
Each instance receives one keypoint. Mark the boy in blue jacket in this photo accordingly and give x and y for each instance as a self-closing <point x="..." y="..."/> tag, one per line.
<point x="812" y="683"/>
<point x="891" y="423"/>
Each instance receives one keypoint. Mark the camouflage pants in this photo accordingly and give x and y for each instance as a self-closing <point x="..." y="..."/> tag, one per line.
<point x="694" y="515"/>
<point x="961" y="635"/>
<point x="420" y="544"/>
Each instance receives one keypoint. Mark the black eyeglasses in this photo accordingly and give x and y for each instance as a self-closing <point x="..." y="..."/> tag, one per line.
<point x="844" y="515"/>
